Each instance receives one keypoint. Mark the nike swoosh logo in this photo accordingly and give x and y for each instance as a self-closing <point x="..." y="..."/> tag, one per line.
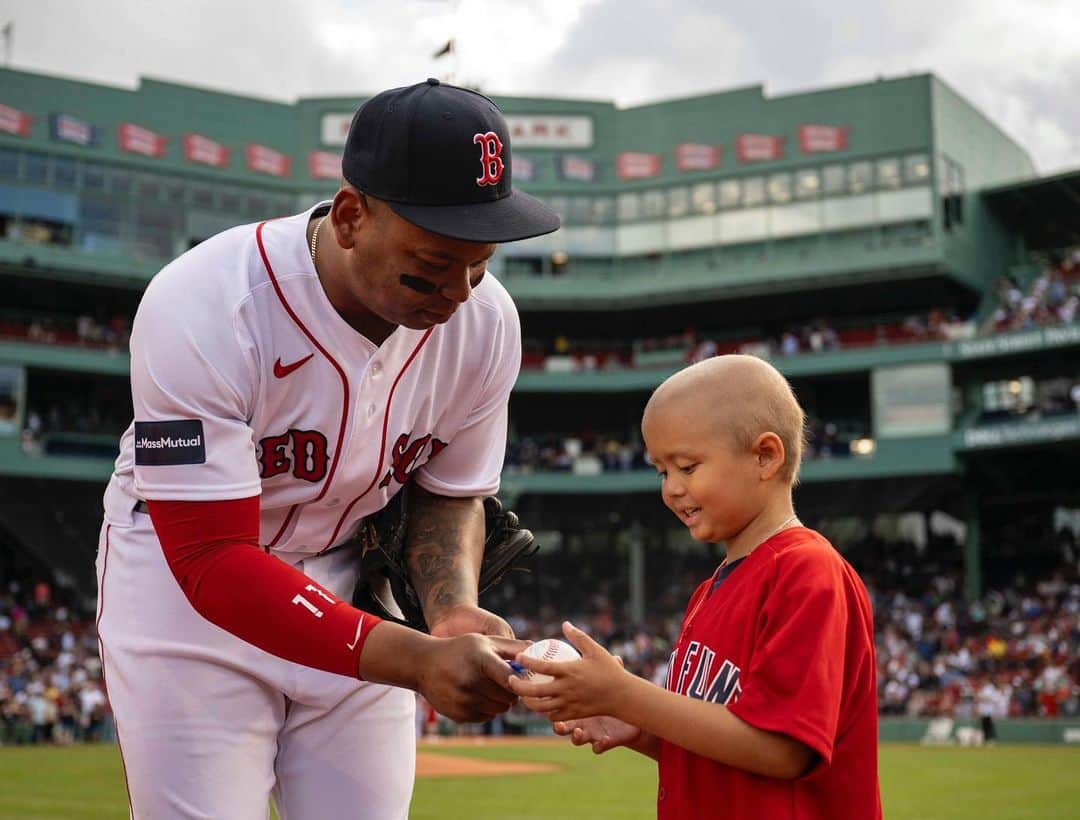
<point x="359" y="626"/>
<point x="283" y="370"/>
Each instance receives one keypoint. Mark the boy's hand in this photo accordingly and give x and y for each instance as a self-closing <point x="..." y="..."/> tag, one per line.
<point x="602" y="733"/>
<point x="584" y="688"/>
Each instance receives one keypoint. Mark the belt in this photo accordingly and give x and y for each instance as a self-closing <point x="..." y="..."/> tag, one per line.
<point x="140" y="507"/>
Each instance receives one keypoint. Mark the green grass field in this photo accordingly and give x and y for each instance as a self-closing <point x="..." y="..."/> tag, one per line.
<point x="1002" y="783"/>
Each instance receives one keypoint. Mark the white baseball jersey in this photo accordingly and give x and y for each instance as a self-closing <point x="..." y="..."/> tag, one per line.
<point x="246" y="381"/>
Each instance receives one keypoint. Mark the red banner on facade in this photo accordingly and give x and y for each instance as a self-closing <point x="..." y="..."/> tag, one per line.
<point x="637" y="165"/>
<point x="758" y="147"/>
<point x="205" y="151"/>
<point x="324" y="165"/>
<point x="577" y="169"/>
<point x="138" y="140"/>
<point x="523" y="169"/>
<point x="816" y="138"/>
<point x="691" y="156"/>
<point x="264" y="160"/>
<point x="14" y="121"/>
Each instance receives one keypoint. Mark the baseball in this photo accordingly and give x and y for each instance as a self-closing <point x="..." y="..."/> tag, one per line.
<point x="549" y="649"/>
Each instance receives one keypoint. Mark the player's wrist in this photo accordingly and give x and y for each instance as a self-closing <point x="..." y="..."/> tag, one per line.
<point x="395" y="655"/>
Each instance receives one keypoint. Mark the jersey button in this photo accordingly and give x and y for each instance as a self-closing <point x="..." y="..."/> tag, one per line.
<point x="376" y="370"/>
<point x="371" y="410"/>
<point x="661" y="795"/>
<point x="333" y="502"/>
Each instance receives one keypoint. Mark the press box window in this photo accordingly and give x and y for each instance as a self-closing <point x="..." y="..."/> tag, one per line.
<point x="174" y="192"/>
<point x="888" y="173"/>
<point x="580" y="210"/>
<point x="860" y="177"/>
<point x="148" y="188"/>
<point x="36" y="169"/>
<point x="257" y="207"/>
<point x="120" y="182"/>
<point x="560" y="205"/>
<point x="780" y="188"/>
<point x="653" y="204"/>
<point x="93" y="177"/>
<point x="703" y="198"/>
<point x="916" y="168"/>
<point x="753" y="192"/>
<point x="629" y="207"/>
<point x="678" y="201"/>
<point x="202" y="196"/>
<point x="232" y="202"/>
<point x="730" y="192"/>
<point x="65" y="173"/>
<point x="834" y="180"/>
<point x="9" y="164"/>
<point x="603" y="210"/>
<point x="807" y="184"/>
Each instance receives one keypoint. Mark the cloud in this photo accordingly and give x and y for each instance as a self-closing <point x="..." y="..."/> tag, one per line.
<point x="1017" y="62"/>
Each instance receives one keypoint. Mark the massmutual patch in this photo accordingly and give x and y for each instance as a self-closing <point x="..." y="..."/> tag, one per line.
<point x="163" y="443"/>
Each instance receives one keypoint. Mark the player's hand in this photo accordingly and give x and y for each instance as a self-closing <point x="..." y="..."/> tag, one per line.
<point x="583" y="688"/>
<point x="602" y="733"/>
<point x="466" y="678"/>
<point x="465" y="618"/>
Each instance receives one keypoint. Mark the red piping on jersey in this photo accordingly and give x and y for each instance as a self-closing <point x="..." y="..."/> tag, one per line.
<point x="329" y="358"/>
<point x="101" y="651"/>
<point x="382" y="446"/>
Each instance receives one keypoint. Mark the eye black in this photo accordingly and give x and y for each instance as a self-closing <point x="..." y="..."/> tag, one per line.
<point x="418" y="284"/>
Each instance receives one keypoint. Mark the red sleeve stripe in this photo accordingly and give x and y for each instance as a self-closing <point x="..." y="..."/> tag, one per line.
<point x="213" y="551"/>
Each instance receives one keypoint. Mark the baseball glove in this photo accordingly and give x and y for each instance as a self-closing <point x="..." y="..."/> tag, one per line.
<point x="384" y="588"/>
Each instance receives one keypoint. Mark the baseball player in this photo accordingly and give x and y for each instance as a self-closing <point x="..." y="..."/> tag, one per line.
<point x="288" y="379"/>
<point x="770" y="707"/>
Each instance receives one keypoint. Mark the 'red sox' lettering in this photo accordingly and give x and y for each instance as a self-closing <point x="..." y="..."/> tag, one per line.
<point x="300" y="452"/>
<point x="405" y="456"/>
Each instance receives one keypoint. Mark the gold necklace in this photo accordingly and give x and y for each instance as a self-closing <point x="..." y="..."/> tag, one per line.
<point x="315" y="238"/>
<point x="793" y="520"/>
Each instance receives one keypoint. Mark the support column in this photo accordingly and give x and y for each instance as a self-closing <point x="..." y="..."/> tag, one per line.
<point x="636" y="544"/>
<point x="972" y="548"/>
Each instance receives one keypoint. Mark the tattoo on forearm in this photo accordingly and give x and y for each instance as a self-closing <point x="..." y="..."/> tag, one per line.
<point x="444" y="545"/>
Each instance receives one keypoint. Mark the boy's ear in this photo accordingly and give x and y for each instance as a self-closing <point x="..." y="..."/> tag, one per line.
<point x="768" y="451"/>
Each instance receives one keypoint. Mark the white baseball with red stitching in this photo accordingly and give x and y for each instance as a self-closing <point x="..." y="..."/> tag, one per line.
<point x="550" y="649"/>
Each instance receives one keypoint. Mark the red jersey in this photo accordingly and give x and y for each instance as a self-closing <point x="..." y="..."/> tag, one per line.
<point x="786" y="642"/>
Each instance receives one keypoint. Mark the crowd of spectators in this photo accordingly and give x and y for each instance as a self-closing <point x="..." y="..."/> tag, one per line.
<point x="589" y="453"/>
<point x="100" y="332"/>
<point x="51" y="688"/>
<point x="86" y="426"/>
<point x="1013" y="653"/>
<point x="562" y="354"/>
<point x="1052" y="298"/>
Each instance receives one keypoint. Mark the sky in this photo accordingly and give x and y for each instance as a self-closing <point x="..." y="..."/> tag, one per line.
<point x="1019" y="62"/>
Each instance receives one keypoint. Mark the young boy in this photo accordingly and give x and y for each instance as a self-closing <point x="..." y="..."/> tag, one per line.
<point x="770" y="709"/>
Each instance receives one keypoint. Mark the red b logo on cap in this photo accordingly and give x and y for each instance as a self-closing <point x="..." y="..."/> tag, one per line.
<point x="490" y="157"/>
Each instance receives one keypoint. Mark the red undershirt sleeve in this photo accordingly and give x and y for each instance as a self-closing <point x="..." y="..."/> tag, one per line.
<point x="212" y="548"/>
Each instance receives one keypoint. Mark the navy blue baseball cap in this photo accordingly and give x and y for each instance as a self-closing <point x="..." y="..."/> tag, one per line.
<point x="439" y="156"/>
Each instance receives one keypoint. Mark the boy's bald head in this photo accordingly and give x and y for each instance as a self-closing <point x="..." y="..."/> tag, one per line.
<point x="739" y="396"/>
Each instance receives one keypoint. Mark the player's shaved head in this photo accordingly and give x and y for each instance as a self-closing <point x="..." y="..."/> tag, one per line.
<point x="737" y="396"/>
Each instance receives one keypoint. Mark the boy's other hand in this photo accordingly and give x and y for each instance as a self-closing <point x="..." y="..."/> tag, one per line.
<point x="602" y="733"/>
